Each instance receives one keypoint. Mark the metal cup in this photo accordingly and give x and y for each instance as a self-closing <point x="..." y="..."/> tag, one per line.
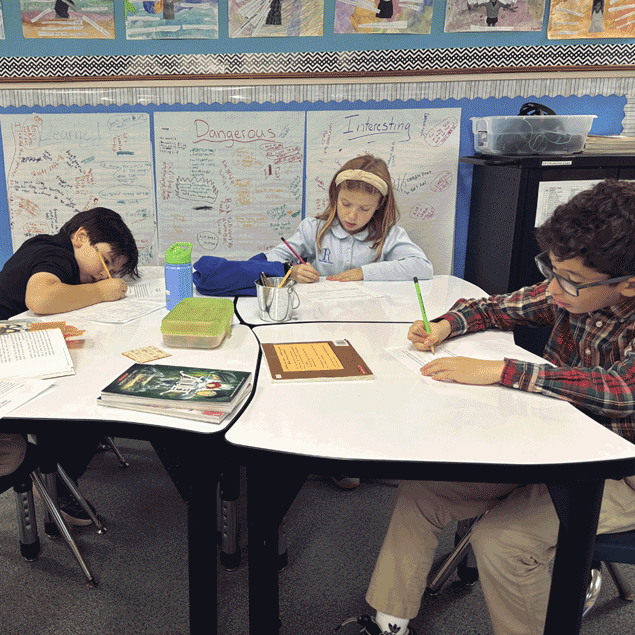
<point x="276" y="304"/>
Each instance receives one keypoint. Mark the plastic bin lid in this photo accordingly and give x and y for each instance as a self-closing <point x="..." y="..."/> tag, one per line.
<point x="199" y="316"/>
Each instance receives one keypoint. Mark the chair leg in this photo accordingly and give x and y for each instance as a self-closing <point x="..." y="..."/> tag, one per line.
<point x="110" y="442"/>
<point x="80" y="499"/>
<point x="27" y="523"/>
<point x="593" y="590"/>
<point x="54" y="512"/>
<point x="624" y="588"/>
<point x="452" y="561"/>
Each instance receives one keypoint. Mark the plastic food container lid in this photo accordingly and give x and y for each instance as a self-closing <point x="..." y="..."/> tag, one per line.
<point x="202" y="317"/>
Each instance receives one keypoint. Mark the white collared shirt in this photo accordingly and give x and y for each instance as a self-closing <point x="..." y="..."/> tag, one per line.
<point x="400" y="259"/>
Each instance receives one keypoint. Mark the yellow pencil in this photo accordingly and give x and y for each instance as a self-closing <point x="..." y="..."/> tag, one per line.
<point x="285" y="278"/>
<point x="103" y="264"/>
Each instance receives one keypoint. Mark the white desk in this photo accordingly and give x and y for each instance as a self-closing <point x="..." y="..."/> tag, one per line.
<point x="394" y="302"/>
<point x="99" y="360"/>
<point x="405" y="426"/>
<point x="70" y="404"/>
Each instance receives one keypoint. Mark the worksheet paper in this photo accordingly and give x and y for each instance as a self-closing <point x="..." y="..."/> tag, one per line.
<point x="16" y="392"/>
<point x="465" y="346"/>
<point x="118" y="312"/>
<point x="491" y="349"/>
<point x="331" y="291"/>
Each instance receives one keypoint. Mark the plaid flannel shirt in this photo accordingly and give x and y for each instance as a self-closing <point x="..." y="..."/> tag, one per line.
<point x="593" y="352"/>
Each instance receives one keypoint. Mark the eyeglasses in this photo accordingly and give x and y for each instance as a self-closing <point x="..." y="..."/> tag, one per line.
<point x="566" y="285"/>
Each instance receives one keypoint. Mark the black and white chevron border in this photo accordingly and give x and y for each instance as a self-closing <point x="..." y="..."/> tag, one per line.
<point x="319" y="63"/>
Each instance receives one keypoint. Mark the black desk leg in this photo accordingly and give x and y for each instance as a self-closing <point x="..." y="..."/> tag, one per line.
<point x="270" y="492"/>
<point x="201" y="530"/>
<point x="578" y="507"/>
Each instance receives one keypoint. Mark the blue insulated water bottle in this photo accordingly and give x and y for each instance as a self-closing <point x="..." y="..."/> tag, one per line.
<point x="178" y="274"/>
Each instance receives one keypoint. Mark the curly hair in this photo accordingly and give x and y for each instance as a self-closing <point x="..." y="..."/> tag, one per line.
<point x="598" y="226"/>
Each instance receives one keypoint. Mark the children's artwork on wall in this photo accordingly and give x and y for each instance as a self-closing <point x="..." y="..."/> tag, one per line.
<point x="171" y="19"/>
<point x="494" y="15"/>
<point x="569" y="19"/>
<point x="59" y="164"/>
<point x="275" y="18"/>
<point x="383" y="16"/>
<point x="421" y="148"/>
<point x="93" y="19"/>
<point x="230" y="184"/>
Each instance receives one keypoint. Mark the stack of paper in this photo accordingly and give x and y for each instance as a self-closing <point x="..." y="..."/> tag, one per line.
<point x="34" y="354"/>
<point x="609" y="144"/>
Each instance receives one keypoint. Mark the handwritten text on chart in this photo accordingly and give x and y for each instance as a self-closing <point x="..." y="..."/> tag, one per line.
<point x="233" y="184"/>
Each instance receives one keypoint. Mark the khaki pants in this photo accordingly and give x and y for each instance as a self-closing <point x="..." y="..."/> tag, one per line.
<point x="12" y="451"/>
<point x="513" y="545"/>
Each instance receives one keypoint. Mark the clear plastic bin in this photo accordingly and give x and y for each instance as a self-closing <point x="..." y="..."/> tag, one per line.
<point x="198" y="323"/>
<point x="545" y="134"/>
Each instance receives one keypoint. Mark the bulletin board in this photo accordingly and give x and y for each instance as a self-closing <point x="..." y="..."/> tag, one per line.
<point x="235" y="199"/>
<point x="327" y="53"/>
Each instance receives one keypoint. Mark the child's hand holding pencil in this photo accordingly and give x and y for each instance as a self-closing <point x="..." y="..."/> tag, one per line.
<point x="424" y="341"/>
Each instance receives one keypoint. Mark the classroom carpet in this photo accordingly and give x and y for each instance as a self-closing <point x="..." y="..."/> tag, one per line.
<point x="333" y="538"/>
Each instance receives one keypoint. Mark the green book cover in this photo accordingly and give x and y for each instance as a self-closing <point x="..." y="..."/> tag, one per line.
<point x="179" y="387"/>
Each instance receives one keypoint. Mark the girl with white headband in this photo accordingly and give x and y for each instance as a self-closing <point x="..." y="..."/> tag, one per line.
<point x="357" y="236"/>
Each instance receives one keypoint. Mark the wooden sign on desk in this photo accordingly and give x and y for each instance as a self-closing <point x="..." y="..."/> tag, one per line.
<point x="315" y="361"/>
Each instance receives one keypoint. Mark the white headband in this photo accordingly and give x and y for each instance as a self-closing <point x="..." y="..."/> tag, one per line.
<point x="362" y="175"/>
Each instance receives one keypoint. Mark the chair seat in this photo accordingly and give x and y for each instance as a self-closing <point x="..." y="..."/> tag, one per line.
<point x="618" y="547"/>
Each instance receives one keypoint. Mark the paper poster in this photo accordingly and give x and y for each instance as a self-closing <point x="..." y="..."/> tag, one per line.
<point x="569" y="19"/>
<point x="75" y="19"/>
<point x="421" y="148"/>
<point x="59" y="164"/>
<point x="383" y="16"/>
<point x="554" y="193"/>
<point x="171" y="19"/>
<point x="494" y="15"/>
<point x="275" y="18"/>
<point x="229" y="184"/>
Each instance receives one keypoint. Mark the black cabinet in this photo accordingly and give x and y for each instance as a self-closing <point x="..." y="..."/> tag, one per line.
<point x="501" y="245"/>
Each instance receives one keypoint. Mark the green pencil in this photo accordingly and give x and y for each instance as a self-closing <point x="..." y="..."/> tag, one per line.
<point x="423" y="309"/>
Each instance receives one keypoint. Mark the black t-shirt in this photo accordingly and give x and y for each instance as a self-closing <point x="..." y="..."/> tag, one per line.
<point x="53" y="254"/>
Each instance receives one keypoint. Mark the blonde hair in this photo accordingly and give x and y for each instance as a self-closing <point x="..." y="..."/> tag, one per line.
<point x="386" y="215"/>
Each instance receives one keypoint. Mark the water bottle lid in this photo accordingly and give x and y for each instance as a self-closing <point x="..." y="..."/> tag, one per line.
<point x="178" y="254"/>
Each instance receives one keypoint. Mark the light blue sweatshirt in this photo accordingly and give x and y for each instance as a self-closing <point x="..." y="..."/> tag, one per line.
<point x="400" y="258"/>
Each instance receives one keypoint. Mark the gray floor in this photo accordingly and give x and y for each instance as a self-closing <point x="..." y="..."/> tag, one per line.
<point x="140" y="564"/>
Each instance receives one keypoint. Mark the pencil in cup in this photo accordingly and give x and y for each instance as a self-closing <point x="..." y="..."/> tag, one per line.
<point x="292" y="250"/>
<point x="103" y="264"/>
<point x="285" y="278"/>
<point x="423" y="311"/>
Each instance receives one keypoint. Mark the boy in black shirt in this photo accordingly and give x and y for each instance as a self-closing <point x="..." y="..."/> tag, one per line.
<point x="53" y="274"/>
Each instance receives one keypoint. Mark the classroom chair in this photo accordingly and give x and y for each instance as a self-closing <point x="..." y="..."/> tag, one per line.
<point x="610" y="549"/>
<point x="33" y="472"/>
<point x="110" y="443"/>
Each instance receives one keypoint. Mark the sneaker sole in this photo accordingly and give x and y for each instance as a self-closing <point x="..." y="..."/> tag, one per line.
<point x="77" y="522"/>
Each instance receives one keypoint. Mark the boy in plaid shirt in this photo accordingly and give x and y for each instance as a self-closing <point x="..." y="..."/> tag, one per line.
<point x="588" y="298"/>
